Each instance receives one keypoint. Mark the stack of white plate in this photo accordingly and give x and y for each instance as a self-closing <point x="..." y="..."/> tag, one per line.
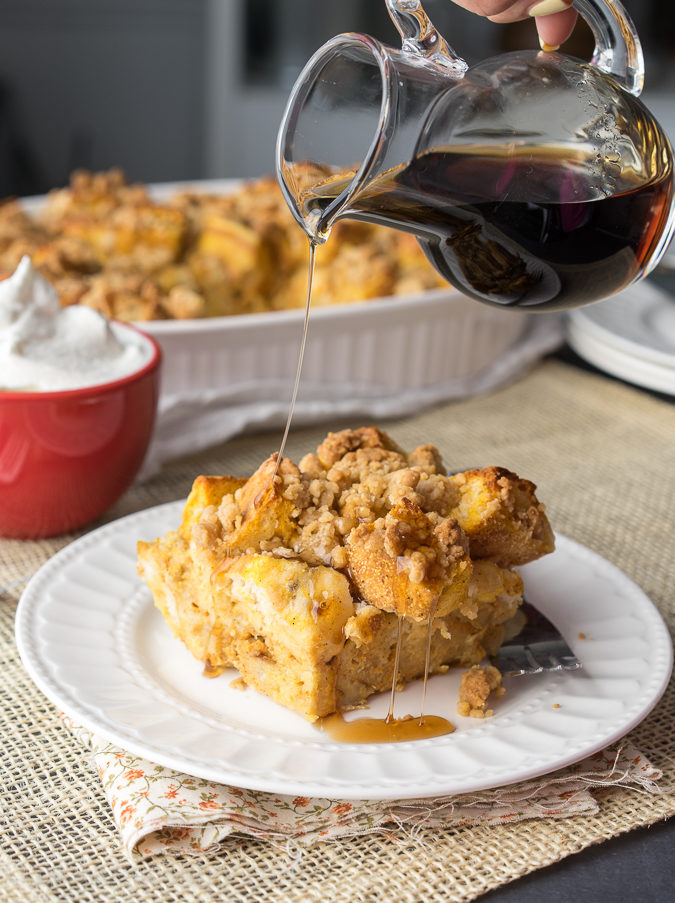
<point x="631" y="336"/>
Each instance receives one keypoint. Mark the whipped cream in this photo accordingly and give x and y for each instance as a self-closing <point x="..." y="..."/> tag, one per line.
<point x="45" y="347"/>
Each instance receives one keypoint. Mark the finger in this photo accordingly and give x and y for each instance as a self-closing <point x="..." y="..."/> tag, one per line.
<point x="555" y="18"/>
<point x="554" y="30"/>
<point x="521" y="9"/>
<point x="489" y="8"/>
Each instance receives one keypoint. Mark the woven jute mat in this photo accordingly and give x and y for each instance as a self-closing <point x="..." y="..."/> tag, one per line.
<point x="603" y="457"/>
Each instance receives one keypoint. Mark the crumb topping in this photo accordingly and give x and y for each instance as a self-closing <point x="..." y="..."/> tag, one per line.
<point x="475" y="688"/>
<point x="355" y="478"/>
<point x="422" y="550"/>
<point x="384" y="517"/>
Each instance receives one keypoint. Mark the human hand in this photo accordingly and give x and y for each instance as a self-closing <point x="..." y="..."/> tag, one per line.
<point x="554" y="18"/>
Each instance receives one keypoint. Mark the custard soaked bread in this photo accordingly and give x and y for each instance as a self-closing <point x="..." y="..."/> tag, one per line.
<point x="299" y="579"/>
<point x="116" y="247"/>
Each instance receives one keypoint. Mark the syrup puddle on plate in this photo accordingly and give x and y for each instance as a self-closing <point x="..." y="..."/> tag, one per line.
<point x="383" y="730"/>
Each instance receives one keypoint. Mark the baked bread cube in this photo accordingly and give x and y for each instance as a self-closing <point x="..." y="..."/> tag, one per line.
<point x="502" y="516"/>
<point x="282" y="624"/>
<point x="90" y="195"/>
<point x="406" y="563"/>
<point x="181" y="589"/>
<point x="261" y="511"/>
<point x="144" y="237"/>
<point x="302" y="576"/>
<point x="205" y="496"/>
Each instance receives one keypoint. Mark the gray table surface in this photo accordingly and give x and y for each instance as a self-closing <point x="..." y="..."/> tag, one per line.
<point x="638" y="866"/>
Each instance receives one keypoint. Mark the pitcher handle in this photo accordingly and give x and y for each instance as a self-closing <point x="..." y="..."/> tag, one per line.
<point x="419" y="36"/>
<point x="618" y="51"/>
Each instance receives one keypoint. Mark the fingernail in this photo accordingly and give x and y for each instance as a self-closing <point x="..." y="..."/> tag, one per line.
<point x="547" y="48"/>
<point x="548" y="7"/>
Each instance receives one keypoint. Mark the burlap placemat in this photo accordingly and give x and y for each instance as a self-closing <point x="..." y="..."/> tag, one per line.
<point x="603" y="456"/>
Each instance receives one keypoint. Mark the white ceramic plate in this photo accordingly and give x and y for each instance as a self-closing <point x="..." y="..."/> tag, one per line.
<point x="92" y="641"/>
<point x="631" y="336"/>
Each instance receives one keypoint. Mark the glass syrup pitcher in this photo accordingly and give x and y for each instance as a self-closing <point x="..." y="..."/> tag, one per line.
<point x="531" y="180"/>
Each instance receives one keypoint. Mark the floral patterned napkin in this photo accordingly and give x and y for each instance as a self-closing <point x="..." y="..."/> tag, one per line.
<point x="157" y="809"/>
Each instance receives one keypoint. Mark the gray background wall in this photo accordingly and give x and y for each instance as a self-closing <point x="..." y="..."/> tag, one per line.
<point x="183" y="89"/>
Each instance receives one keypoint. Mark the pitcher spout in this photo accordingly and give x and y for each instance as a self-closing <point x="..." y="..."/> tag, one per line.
<point x="354" y="113"/>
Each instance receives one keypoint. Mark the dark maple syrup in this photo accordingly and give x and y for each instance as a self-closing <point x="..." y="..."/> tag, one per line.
<point x="383" y="730"/>
<point x="394" y="678"/>
<point x="427" y="659"/>
<point x="301" y="355"/>
<point x="532" y="228"/>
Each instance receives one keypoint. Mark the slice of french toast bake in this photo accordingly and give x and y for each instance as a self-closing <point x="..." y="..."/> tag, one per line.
<point x="298" y="578"/>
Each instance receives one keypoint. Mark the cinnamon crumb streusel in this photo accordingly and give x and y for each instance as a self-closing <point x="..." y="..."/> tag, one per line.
<point x="476" y="686"/>
<point x="357" y="478"/>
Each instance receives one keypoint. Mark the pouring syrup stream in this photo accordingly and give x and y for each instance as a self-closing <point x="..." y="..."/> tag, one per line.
<point x="301" y="355"/>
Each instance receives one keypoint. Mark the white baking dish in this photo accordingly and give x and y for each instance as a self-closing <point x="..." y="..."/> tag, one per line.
<point x="387" y="344"/>
<point x="381" y="345"/>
